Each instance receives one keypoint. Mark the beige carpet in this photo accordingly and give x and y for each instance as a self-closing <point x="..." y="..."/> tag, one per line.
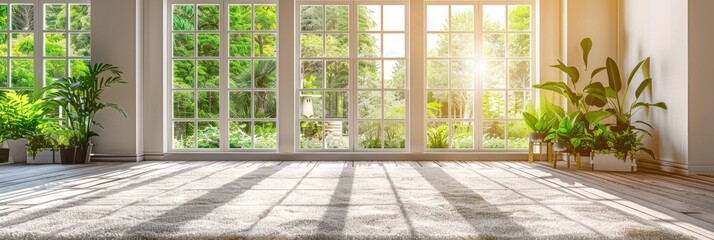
<point x="220" y="201"/>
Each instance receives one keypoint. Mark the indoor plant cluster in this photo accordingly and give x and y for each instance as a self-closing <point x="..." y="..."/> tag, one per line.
<point x="61" y="117"/>
<point x="600" y="122"/>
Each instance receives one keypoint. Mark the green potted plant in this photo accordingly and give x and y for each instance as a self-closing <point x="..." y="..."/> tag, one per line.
<point x="620" y="153"/>
<point x="80" y="98"/>
<point x="21" y="117"/>
<point x="569" y="135"/>
<point x="539" y="122"/>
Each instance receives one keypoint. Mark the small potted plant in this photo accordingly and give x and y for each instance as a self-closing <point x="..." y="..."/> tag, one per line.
<point x="80" y="98"/>
<point x="568" y="136"/>
<point x="540" y="123"/>
<point x="620" y="155"/>
<point x="20" y="117"/>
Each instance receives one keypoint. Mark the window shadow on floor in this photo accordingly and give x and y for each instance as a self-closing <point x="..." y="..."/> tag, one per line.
<point x="333" y="221"/>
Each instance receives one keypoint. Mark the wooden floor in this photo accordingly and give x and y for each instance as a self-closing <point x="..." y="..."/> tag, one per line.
<point x="684" y="203"/>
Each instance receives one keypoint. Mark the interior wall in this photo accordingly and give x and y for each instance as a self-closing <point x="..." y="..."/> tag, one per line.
<point x="701" y="84"/>
<point x="154" y="78"/>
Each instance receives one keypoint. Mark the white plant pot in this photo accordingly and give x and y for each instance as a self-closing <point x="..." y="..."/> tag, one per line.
<point x="45" y="157"/>
<point x="608" y="162"/>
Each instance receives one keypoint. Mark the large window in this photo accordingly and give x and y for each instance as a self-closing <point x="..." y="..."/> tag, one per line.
<point x="349" y="81"/>
<point x="224" y="76"/>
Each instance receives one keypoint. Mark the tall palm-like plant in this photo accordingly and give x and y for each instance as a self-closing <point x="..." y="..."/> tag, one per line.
<point x="80" y="98"/>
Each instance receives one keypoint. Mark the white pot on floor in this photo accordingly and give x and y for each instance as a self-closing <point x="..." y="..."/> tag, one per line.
<point x="608" y="162"/>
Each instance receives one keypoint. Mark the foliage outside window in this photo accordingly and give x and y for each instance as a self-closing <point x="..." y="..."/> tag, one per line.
<point x="17" y="47"/>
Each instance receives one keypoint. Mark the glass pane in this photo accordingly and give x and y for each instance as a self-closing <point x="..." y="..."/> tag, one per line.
<point x="337" y="74"/>
<point x="80" y="17"/>
<point x="462" y="74"/>
<point x="208" y="71"/>
<point x="395" y="105"/>
<point x="311" y="45"/>
<point x="369" y="104"/>
<point x="183" y="45"/>
<point x="494" y="104"/>
<point x="370" y="134"/>
<point x="395" y="134"/>
<point x="437" y="135"/>
<point x="54" y="70"/>
<point x="184" y="135"/>
<point x="337" y="135"/>
<point x="462" y="105"/>
<point x="183" y="74"/>
<point x="437" y="18"/>
<point x="239" y="105"/>
<point x="3" y="17"/>
<point x="23" y="45"/>
<point x="78" y="67"/>
<point x="519" y="18"/>
<point x="311" y="104"/>
<point x="80" y="44"/>
<point x="265" y="45"/>
<point x="519" y="45"/>
<point x="494" y="135"/>
<point x="437" y="104"/>
<point x="55" y="16"/>
<point x="370" y="45"/>
<point x="208" y="45"/>
<point x="463" y="135"/>
<point x="183" y="17"/>
<point x="338" y="45"/>
<point x="369" y="74"/>
<point x="265" y="105"/>
<point x="311" y="18"/>
<point x="240" y="45"/>
<point x="517" y="135"/>
<point x="494" y="45"/>
<point x="462" y="45"/>
<point x="3" y="69"/>
<point x="337" y="18"/>
<point x="55" y="44"/>
<point x="3" y="44"/>
<point x="396" y="18"/>
<point x="265" y="17"/>
<point x="311" y="74"/>
<point x="462" y="18"/>
<point x="266" y="135"/>
<point x="208" y="106"/>
<point x="240" y="74"/>
<point x="184" y="104"/>
<point x="437" y="45"/>
<point x="519" y="74"/>
<point x="370" y="17"/>
<point x="397" y="45"/>
<point x="240" y="135"/>
<point x="23" y="73"/>
<point x="494" y="18"/>
<point x="311" y="134"/>
<point x="265" y="73"/>
<point x="240" y="17"/>
<point x="495" y="75"/>
<point x="209" y="135"/>
<point x="437" y="74"/>
<point x="23" y="17"/>
<point x="395" y="74"/>
<point x="517" y="103"/>
<point x="209" y="17"/>
<point x="336" y="104"/>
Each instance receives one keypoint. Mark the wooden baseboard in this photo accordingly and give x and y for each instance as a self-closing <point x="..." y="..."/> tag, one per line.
<point x="649" y="165"/>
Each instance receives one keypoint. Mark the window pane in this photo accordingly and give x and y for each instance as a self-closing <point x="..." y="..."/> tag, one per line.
<point x="337" y="45"/>
<point x="462" y="18"/>
<point x="240" y="105"/>
<point x="3" y="69"/>
<point x="240" y="45"/>
<point x="494" y="18"/>
<point x="517" y="135"/>
<point x="240" y="72"/>
<point x="3" y="17"/>
<point x="80" y="44"/>
<point x="517" y="103"/>
<point x="3" y="44"/>
<point x="183" y="74"/>
<point x="338" y="74"/>
<point x="337" y="135"/>
<point x="370" y="74"/>
<point x="437" y="45"/>
<point x="519" y="74"/>
<point x="311" y="104"/>
<point x="395" y="135"/>
<point x="23" y="17"/>
<point x="311" y="18"/>
<point x="437" y="104"/>
<point x="462" y="105"/>
<point x="369" y="104"/>
<point x="208" y="106"/>
<point x="519" y="45"/>
<point x="265" y="73"/>
<point x="370" y="45"/>
<point x="370" y="134"/>
<point x="265" y="105"/>
<point x="437" y="72"/>
<point x="183" y="17"/>
<point x="54" y="70"/>
<point x="209" y="17"/>
<point x="463" y="135"/>
<point x="23" y="73"/>
<point x="462" y="74"/>
<point x="55" y="16"/>
<point x="183" y="45"/>
<point x="80" y="17"/>
<point x="208" y="45"/>
<point x="265" y="17"/>
<point x="494" y="45"/>
<point x="266" y="135"/>
<point x="395" y="105"/>
<point x="395" y="74"/>
<point x="311" y="135"/>
<point x="495" y="76"/>
<point x="240" y="135"/>
<point x="265" y="45"/>
<point x="184" y="104"/>
<point x="209" y="135"/>
<point x="494" y="133"/>
<point x="240" y="17"/>
<point x="311" y="74"/>
<point x="208" y="72"/>
<point x="336" y="104"/>
<point x="23" y="45"/>
<point x="437" y="18"/>
<point x="462" y="45"/>
<point x="311" y="45"/>
<point x="437" y="135"/>
<point x="55" y="44"/>
<point x="519" y="18"/>
<point x="494" y="104"/>
<point x="397" y="45"/>
<point x="184" y="135"/>
<point x="396" y="18"/>
<point x="370" y="17"/>
<point x="79" y="67"/>
<point x="337" y="18"/>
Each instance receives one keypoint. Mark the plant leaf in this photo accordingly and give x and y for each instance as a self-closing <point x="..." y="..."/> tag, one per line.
<point x="634" y="71"/>
<point x="587" y="45"/>
<point x="648" y="151"/>
<point x="644" y="85"/>
<point x="597" y="116"/>
<point x="571" y="71"/>
<point x="642" y="122"/>
<point x="597" y="71"/>
<point x="648" y="105"/>
<point x="596" y="95"/>
<point x="613" y="75"/>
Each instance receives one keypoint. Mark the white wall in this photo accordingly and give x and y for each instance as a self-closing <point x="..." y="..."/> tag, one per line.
<point x="701" y="85"/>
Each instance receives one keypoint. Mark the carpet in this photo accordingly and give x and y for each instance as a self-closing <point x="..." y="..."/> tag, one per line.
<point x="282" y="202"/>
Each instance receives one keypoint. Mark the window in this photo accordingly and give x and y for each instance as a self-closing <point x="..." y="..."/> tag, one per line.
<point x="224" y="76"/>
<point x="348" y="81"/>
<point x="477" y="74"/>
<point x="17" y="39"/>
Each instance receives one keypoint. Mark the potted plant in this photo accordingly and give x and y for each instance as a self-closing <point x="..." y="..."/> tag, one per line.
<point x="80" y="98"/>
<point x="20" y="117"/>
<point x="620" y="154"/>
<point x="569" y="135"/>
<point x="539" y="122"/>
